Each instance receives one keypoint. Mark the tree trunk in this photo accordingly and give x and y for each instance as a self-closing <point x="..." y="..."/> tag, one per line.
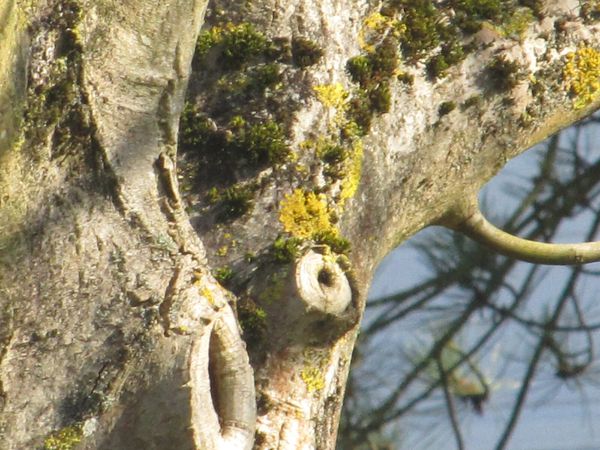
<point x="136" y="254"/>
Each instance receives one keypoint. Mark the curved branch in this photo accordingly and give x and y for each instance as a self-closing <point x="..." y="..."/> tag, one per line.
<point x="477" y="227"/>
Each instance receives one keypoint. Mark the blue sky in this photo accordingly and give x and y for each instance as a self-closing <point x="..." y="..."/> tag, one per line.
<point x="558" y="415"/>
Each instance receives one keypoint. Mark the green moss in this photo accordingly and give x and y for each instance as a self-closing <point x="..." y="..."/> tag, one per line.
<point x="239" y="124"/>
<point x="437" y="66"/>
<point x="196" y="131"/>
<point x="285" y="250"/>
<point x="518" y="23"/>
<point x="472" y="101"/>
<point x="57" y="105"/>
<point x="64" y="439"/>
<point x="253" y="321"/>
<point x="265" y="76"/>
<point x="380" y="98"/>
<point x="451" y="53"/>
<point x="446" y="108"/>
<point x="206" y="41"/>
<point x="433" y="31"/>
<point x="305" y="52"/>
<point x="240" y="43"/>
<point x="372" y="72"/>
<point x="223" y="274"/>
<point x="423" y="27"/>
<point x="213" y="196"/>
<point x="251" y="82"/>
<point x="503" y="73"/>
<point x="234" y="45"/>
<point x="259" y="144"/>
<point x="334" y="241"/>
<point x="360" y="69"/>
<point x="406" y="78"/>
<point x="471" y="13"/>
<point x="235" y="201"/>
<point x="265" y="142"/>
<point x="330" y="151"/>
<point x="385" y="59"/>
<point x="359" y="111"/>
<point x="373" y="67"/>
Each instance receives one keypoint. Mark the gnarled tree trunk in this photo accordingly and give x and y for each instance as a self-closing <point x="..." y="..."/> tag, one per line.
<point x="299" y="167"/>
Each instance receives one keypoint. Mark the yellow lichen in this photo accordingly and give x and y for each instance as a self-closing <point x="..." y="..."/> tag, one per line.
<point x="582" y="75"/>
<point x="304" y="214"/>
<point x="64" y="439"/>
<point x="332" y="95"/>
<point x="377" y="25"/>
<point x="352" y="177"/>
<point x="223" y="250"/>
<point x="313" y="378"/>
<point x="207" y="294"/>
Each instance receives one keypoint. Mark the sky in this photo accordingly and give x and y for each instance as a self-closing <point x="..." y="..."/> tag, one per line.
<point x="558" y="416"/>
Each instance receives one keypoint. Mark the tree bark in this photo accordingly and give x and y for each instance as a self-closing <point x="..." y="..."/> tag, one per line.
<point x="114" y="333"/>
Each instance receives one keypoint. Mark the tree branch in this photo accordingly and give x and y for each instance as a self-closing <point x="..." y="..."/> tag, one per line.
<point x="477" y="227"/>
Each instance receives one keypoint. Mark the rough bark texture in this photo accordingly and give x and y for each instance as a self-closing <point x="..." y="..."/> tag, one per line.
<point x="113" y="331"/>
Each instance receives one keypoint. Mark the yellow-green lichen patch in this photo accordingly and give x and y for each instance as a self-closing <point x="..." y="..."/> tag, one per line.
<point x="313" y="378"/>
<point x="582" y="75"/>
<point x="305" y="214"/>
<point x="64" y="439"/>
<point x="352" y="173"/>
<point x="376" y="25"/>
<point x="332" y="95"/>
<point x="208" y="295"/>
